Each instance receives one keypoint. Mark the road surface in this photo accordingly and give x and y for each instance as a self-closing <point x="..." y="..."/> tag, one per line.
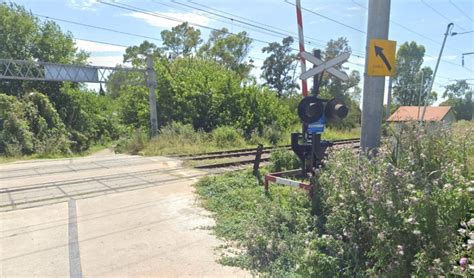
<point x="112" y="215"/>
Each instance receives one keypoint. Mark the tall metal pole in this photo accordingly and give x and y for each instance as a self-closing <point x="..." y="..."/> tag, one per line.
<point x="448" y="30"/>
<point x="372" y="105"/>
<point x="151" y="82"/>
<point x="419" y="94"/>
<point x="389" y="98"/>
<point x="299" y="18"/>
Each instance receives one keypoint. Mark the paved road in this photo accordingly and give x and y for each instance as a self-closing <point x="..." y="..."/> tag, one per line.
<point x="115" y="215"/>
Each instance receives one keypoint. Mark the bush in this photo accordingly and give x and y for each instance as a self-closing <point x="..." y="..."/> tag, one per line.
<point x="31" y="125"/>
<point x="407" y="212"/>
<point x="284" y="160"/>
<point x="133" y="144"/>
<point x="226" y="136"/>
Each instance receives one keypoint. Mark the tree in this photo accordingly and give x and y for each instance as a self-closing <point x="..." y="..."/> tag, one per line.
<point x="408" y="79"/>
<point x="181" y="40"/>
<point x="333" y="86"/>
<point x="278" y="68"/>
<point x="136" y="54"/>
<point x="459" y="97"/>
<point x="228" y="49"/>
<point x="24" y="37"/>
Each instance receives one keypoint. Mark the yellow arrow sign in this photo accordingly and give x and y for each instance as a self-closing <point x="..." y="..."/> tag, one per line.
<point x="381" y="57"/>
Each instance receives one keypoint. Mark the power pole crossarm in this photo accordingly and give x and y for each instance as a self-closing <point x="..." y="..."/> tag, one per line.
<point x="151" y="83"/>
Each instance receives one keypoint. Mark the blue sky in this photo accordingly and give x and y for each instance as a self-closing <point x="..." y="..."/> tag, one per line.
<point x="423" y="21"/>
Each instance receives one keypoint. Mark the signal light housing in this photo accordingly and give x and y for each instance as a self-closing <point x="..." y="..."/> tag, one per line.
<point x="312" y="108"/>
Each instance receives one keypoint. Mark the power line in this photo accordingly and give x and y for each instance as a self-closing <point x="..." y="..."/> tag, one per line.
<point x="460" y="10"/>
<point x="97" y="27"/>
<point x="328" y="18"/>
<point x="440" y="14"/>
<point x="252" y="27"/>
<point x="148" y="12"/>
<point x="101" y="42"/>
<point x="256" y="24"/>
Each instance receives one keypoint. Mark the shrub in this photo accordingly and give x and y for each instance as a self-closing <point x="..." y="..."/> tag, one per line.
<point x="284" y="160"/>
<point x="133" y="144"/>
<point x="226" y="136"/>
<point x="407" y="212"/>
<point x="31" y="125"/>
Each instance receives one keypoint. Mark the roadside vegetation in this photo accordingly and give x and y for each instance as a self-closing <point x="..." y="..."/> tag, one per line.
<point x="407" y="212"/>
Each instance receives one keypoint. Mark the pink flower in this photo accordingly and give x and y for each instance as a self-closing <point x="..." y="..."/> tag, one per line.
<point x="463" y="263"/>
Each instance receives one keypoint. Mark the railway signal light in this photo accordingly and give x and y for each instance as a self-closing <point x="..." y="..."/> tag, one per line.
<point x="312" y="109"/>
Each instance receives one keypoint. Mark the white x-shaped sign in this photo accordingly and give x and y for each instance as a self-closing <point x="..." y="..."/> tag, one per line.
<point x="327" y="66"/>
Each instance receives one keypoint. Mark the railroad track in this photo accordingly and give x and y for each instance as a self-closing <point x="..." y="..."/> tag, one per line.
<point x="246" y="156"/>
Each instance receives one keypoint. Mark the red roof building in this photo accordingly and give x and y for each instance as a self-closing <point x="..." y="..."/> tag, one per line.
<point x="414" y="113"/>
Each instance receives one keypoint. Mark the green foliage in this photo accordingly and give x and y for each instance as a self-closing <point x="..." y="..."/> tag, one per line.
<point x="90" y="118"/>
<point x="206" y="95"/>
<point x="460" y="98"/>
<point x="399" y="218"/>
<point x="408" y="79"/>
<point x="283" y="160"/>
<point x="227" y="136"/>
<point x="132" y="144"/>
<point x="333" y="86"/>
<point x="181" y="40"/>
<point x="278" y="69"/>
<point x="24" y="37"/>
<point x="31" y="125"/>
<point x="269" y="229"/>
<point x="228" y="49"/>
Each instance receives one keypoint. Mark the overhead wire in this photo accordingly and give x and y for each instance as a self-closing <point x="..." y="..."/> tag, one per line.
<point x="98" y="27"/>
<point x="257" y="25"/>
<point x="419" y="34"/>
<point x="440" y="14"/>
<point x="460" y="10"/>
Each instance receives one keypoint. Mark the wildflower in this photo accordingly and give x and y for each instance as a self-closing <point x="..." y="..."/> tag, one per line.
<point x="381" y="236"/>
<point x="400" y="250"/>
<point x="411" y="220"/>
<point x="416" y="232"/>
<point x="410" y="186"/>
<point x="461" y="231"/>
<point x="463" y="263"/>
<point x="448" y="186"/>
<point x="470" y="223"/>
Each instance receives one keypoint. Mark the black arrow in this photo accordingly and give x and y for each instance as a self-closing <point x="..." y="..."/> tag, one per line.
<point x="379" y="52"/>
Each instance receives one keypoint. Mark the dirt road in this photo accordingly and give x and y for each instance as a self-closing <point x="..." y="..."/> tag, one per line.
<point x="112" y="215"/>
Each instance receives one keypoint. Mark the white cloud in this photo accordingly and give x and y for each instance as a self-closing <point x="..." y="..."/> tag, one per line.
<point x="88" y="5"/>
<point x="106" y="61"/>
<point x="167" y="23"/>
<point x="98" y="47"/>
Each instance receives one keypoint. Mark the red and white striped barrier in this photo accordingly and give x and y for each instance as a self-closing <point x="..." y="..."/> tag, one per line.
<point x="276" y="178"/>
<point x="299" y="19"/>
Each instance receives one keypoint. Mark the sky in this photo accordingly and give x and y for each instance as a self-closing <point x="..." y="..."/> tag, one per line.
<point x="423" y="21"/>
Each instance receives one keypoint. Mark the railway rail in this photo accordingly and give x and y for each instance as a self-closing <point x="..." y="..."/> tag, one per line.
<point x="247" y="156"/>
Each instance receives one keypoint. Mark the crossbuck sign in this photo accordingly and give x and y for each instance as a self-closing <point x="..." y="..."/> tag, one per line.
<point x="327" y="66"/>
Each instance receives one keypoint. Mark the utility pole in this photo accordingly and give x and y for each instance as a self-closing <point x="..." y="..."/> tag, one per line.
<point x="389" y="98"/>
<point x="151" y="82"/>
<point x="420" y="94"/>
<point x="372" y="106"/>
<point x="448" y="30"/>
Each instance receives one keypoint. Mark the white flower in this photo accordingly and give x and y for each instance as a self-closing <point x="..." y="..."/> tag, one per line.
<point x="411" y="220"/>
<point x="381" y="236"/>
<point x="448" y="186"/>
<point x="410" y="186"/>
<point x="417" y="232"/>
